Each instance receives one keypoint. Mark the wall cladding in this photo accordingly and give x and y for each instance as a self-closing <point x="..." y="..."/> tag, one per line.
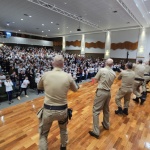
<point x="125" y="45"/>
<point x="73" y="52"/>
<point x="73" y="43"/>
<point x="97" y="44"/>
<point x="57" y="43"/>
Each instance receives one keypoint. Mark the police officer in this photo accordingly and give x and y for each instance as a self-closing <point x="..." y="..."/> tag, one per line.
<point x="105" y="78"/>
<point x="56" y="84"/>
<point x="126" y="88"/>
<point x="139" y="74"/>
<point x="146" y="79"/>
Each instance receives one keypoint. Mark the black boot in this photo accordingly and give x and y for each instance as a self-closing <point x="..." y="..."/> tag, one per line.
<point x="62" y="148"/>
<point x="144" y="95"/>
<point x="142" y="100"/>
<point x="119" y="111"/>
<point x="125" y="111"/>
<point x="136" y="100"/>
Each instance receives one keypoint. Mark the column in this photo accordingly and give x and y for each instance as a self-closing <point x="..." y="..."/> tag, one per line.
<point x="107" y="45"/>
<point x="64" y="44"/>
<point x="83" y="45"/>
<point x="141" y="45"/>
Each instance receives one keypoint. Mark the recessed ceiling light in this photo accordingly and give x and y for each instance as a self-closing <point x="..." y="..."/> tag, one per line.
<point x="67" y="27"/>
<point x="42" y="24"/>
<point x="7" y="24"/>
<point x="65" y="3"/>
<point x="30" y="16"/>
<point x="42" y="31"/>
<point x="21" y="19"/>
<point x="51" y="22"/>
<point x="49" y="30"/>
<point x="19" y="30"/>
<point x="58" y="28"/>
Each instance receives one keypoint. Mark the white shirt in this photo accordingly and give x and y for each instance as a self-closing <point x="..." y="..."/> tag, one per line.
<point x="25" y="83"/>
<point x="8" y="85"/>
<point x="37" y="80"/>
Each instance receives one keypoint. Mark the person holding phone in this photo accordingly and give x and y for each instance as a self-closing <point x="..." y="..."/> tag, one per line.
<point x="9" y="88"/>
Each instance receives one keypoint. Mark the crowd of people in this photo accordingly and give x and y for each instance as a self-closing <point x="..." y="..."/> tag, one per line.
<point x="19" y="64"/>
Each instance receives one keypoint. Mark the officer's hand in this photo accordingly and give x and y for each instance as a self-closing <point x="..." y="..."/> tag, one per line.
<point x="80" y="86"/>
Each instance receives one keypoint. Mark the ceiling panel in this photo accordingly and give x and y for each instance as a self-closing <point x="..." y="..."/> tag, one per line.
<point x="97" y="11"/>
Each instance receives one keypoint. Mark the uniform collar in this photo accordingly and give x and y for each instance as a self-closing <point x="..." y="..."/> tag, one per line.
<point x="57" y="69"/>
<point x="107" y="67"/>
<point x="129" y="69"/>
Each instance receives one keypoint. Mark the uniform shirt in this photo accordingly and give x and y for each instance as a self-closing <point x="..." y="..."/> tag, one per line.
<point x="139" y="70"/>
<point x="147" y="69"/>
<point x="8" y="85"/>
<point x="105" y="77"/>
<point x="56" y="84"/>
<point x="25" y="83"/>
<point x="127" y="77"/>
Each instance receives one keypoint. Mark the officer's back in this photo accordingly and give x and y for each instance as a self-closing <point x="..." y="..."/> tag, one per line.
<point x="139" y="69"/>
<point x="56" y="84"/>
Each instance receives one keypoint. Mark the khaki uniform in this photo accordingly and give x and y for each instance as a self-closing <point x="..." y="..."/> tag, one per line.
<point x="56" y="84"/>
<point x="139" y="73"/>
<point x="126" y="88"/>
<point x="105" y="77"/>
<point x="146" y="77"/>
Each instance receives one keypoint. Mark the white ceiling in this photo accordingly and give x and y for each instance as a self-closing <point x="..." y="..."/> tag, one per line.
<point x="99" y="12"/>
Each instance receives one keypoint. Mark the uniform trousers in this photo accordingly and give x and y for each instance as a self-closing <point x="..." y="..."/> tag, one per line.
<point x="101" y="102"/>
<point x="136" y="88"/>
<point x="146" y="79"/>
<point x="45" y="124"/>
<point x="125" y="93"/>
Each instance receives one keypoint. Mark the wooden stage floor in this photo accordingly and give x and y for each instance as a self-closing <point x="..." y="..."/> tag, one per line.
<point x="19" y="125"/>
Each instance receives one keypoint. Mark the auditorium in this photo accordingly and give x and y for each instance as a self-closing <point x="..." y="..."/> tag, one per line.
<point x="74" y="75"/>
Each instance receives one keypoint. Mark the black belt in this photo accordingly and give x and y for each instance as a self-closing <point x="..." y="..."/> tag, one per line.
<point x="104" y="90"/>
<point x="139" y="79"/>
<point x="146" y="75"/>
<point x="62" y="107"/>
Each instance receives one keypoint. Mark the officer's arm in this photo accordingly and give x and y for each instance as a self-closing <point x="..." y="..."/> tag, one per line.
<point x="97" y="77"/>
<point x="73" y="85"/>
<point x="120" y="76"/>
<point x="40" y="85"/>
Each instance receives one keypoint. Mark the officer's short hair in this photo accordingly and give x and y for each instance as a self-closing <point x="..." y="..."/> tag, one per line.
<point x="58" y="58"/>
<point x="140" y="61"/>
<point x="58" y="61"/>
<point x="109" y="62"/>
<point x="129" y="65"/>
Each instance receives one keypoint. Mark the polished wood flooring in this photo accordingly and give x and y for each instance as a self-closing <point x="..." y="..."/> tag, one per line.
<point x="19" y="125"/>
